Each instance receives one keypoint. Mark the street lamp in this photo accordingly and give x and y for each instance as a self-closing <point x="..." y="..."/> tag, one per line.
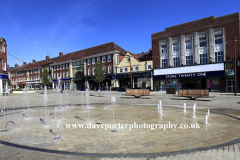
<point x="116" y="77"/>
<point x="130" y="69"/>
<point x="235" y="65"/>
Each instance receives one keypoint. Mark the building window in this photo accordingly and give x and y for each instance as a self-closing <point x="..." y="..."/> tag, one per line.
<point x="203" y="42"/>
<point x="203" y="58"/>
<point x="218" y="39"/>
<point x="93" y="61"/>
<point x="103" y="59"/>
<point x="93" y="71"/>
<point x="176" y="62"/>
<point x="188" y="44"/>
<point x="175" y="47"/>
<point x="88" y="62"/>
<point x="164" y="48"/>
<point x="98" y="58"/>
<point x="57" y="67"/>
<point x="104" y="69"/>
<point x="57" y="75"/>
<point x="219" y="56"/>
<point x="109" y="58"/>
<point x="164" y="63"/>
<point x="128" y="59"/>
<point x="189" y="60"/>
<point x="89" y="71"/>
<point x="136" y="68"/>
<point x="60" y="67"/>
<point x="78" y="64"/>
<point x="54" y="69"/>
<point x="61" y="74"/>
<point x="131" y="68"/>
<point x="67" y="74"/>
<point x="109" y="69"/>
<point x="120" y="70"/>
<point x="4" y="65"/>
<point x="126" y="69"/>
<point x="82" y="63"/>
<point x="149" y="66"/>
<point x="67" y="66"/>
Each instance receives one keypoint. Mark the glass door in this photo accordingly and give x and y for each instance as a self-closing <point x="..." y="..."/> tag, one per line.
<point x="230" y="85"/>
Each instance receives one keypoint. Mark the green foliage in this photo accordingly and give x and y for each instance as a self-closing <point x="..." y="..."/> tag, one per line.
<point x="9" y="82"/>
<point x="99" y="73"/>
<point x="45" y="79"/>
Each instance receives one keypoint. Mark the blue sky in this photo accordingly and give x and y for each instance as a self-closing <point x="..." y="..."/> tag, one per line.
<point x="35" y="28"/>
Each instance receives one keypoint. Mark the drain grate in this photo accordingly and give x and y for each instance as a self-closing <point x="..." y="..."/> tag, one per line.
<point x="114" y="130"/>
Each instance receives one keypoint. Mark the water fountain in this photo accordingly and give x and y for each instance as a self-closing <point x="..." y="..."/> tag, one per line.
<point x="184" y="106"/>
<point x="206" y="120"/>
<point x="208" y="113"/>
<point x="194" y="109"/>
<point x="45" y="102"/>
<point x="25" y="100"/>
<point x="113" y="100"/>
<point x="160" y="107"/>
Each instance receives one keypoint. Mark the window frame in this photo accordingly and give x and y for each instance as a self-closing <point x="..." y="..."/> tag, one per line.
<point x="109" y="59"/>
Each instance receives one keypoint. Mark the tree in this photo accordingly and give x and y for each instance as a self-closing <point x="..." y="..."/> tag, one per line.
<point x="45" y="79"/>
<point x="99" y="75"/>
<point x="9" y="83"/>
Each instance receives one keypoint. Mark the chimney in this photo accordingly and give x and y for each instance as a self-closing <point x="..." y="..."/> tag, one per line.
<point x="16" y="65"/>
<point x="24" y="63"/>
<point x="47" y="57"/>
<point x="34" y="60"/>
<point x="60" y="54"/>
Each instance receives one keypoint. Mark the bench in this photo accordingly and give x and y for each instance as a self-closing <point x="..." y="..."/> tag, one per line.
<point x="193" y="93"/>
<point x="137" y="92"/>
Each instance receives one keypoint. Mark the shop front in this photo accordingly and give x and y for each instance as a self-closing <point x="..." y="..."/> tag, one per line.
<point x="104" y="85"/>
<point x="64" y="85"/>
<point x="209" y="76"/>
<point x="3" y="82"/>
<point x="21" y="85"/>
<point x="140" y="80"/>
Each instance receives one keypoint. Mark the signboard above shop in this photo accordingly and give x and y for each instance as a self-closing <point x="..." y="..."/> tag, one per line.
<point x="229" y="69"/>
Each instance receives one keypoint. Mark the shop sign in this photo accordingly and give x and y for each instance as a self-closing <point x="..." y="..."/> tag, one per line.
<point x="3" y="76"/>
<point x="186" y="75"/>
<point x="134" y="75"/>
<point x="229" y="69"/>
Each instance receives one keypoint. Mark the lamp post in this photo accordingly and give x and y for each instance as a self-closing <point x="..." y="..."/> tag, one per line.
<point x="235" y="66"/>
<point x="130" y="70"/>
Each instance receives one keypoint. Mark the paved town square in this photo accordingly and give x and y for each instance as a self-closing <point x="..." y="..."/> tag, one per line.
<point x="73" y="125"/>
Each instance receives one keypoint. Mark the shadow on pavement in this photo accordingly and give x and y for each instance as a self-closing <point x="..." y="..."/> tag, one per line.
<point x="190" y="99"/>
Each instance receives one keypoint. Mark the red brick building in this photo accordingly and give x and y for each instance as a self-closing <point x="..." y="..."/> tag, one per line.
<point x="197" y="54"/>
<point x="3" y="65"/>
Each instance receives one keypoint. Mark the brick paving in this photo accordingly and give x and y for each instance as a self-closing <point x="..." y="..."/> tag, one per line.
<point x="219" y="102"/>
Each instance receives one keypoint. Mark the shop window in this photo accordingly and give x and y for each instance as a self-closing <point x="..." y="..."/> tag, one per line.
<point x="203" y="58"/>
<point x="189" y="60"/>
